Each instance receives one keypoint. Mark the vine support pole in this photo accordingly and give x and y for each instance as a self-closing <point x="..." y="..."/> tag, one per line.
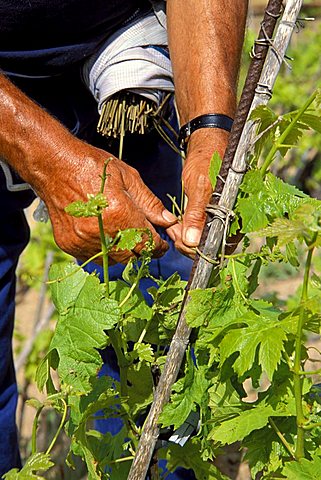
<point x="268" y="55"/>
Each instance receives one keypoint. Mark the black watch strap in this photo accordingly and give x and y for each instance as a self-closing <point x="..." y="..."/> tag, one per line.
<point x="210" y="120"/>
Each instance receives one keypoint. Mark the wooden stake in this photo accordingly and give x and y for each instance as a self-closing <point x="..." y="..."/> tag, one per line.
<point x="213" y="239"/>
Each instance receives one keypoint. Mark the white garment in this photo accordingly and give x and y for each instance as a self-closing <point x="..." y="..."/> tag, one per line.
<point x="129" y="61"/>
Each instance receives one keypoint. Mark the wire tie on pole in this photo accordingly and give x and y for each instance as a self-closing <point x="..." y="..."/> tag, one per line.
<point x="276" y="51"/>
<point x="220" y="212"/>
<point x="225" y="215"/>
<point x="239" y="172"/>
<point x="264" y="89"/>
<point x="274" y="15"/>
<point x="253" y="54"/>
<point x="222" y="179"/>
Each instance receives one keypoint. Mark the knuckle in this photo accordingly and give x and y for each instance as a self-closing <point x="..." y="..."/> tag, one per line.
<point x="133" y="174"/>
<point x="195" y="214"/>
<point x="153" y="203"/>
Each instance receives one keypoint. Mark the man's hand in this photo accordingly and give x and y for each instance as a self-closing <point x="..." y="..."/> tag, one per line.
<point x="130" y="204"/>
<point x="62" y="169"/>
<point x="197" y="186"/>
<point x="205" y="41"/>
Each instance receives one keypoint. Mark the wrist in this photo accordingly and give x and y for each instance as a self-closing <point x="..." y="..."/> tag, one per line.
<point x="215" y="121"/>
<point x="206" y="141"/>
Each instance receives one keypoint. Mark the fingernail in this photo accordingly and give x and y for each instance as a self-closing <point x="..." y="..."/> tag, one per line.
<point x="192" y="236"/>
<point x="168" y="216"/>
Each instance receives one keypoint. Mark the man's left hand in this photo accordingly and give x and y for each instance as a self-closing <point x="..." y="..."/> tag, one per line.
<point x="197" y="186"/>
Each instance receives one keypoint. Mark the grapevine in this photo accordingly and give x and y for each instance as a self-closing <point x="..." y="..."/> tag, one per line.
<point x="237" y="336"/>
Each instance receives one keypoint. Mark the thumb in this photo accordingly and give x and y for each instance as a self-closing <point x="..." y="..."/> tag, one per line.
<point x="151" y="206"/>
<point x="195" y="215"/>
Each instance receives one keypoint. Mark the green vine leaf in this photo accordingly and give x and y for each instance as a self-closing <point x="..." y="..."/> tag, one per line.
<point x="67" y="280"/>
<point x="190" y="393"/>
<point x="208" y="304"/>
<point x="304" y="469"/>
<point x="37" y="462"/>
<point x="271" y="127"/>
<point x="312" y="121"/>
<point x="141" y="389"/>
<point x="144" y="352"/>
<point x="103" y="395"/>
<point x="270" y="457"/>
<point x="128" y="239"/>
<point x="266" y="200"/>
<point x="224" y="402"/>
<point x="266" y="125"/>
<point x="136" y="307"/>
<point x="43" y="377"/>
<point x="84" y="315"/>
<point x="241" y="426"/>
<point x="106" y="448"/>
<point x="82" y="446"/>
<point x="215" y="167"/>
<point x="189" y="457"/>
<point x="262" y="334"/>
<point x="92" y="208"/>
<point x="301" y="225"/>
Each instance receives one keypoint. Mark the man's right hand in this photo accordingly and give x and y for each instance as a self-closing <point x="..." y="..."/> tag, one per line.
<point x="130" y="204"/>
<point x="62" y="169"/>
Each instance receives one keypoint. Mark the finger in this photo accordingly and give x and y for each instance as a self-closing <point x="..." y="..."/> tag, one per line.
<point x="144" y="198"/>
<point x="187" y="251"/>
<point x="160" y="245"/>
<point x="198" y="195"/>
<point x="175" y="232"/>
<point x="123" y="213"/>
<point x="121" y="256"/>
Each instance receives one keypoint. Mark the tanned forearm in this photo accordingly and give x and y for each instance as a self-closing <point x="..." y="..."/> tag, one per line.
<point x="205" y="40"/>
<point x="30" y="139"/>
<point x="62" y="169"/>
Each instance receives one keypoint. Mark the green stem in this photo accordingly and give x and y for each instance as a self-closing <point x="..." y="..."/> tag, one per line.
<point x="104" y="248"/>
<point x="104" y="245"/>
<point x="288" y="360"/>
<point x="123" y="365"/>
<point x="205" y="257"/>
<point x="310" y="372"/>
<point x="129" y="293"/>
<point x="134" y="285"/>
<point x="236" y="282"/>
<point x="281" y="437"/>
<point x="60" y="279"/>
<point x="310" y="426"/>
<point x="297" y="380"/>
<point x="121" y="460"/>
<point x="280" y="142"/>
<point x="104" y="175"/>
<point x="121" y="360"/>
<point x="144" y="331"/>
<point x="62" y="422"/>
<point x="175" y="206"/>
<point x="182" y="208"/>
<point x="34" y="430"/>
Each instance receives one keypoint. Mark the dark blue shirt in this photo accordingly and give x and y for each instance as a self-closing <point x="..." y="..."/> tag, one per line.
<point x="44" y="37"/>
